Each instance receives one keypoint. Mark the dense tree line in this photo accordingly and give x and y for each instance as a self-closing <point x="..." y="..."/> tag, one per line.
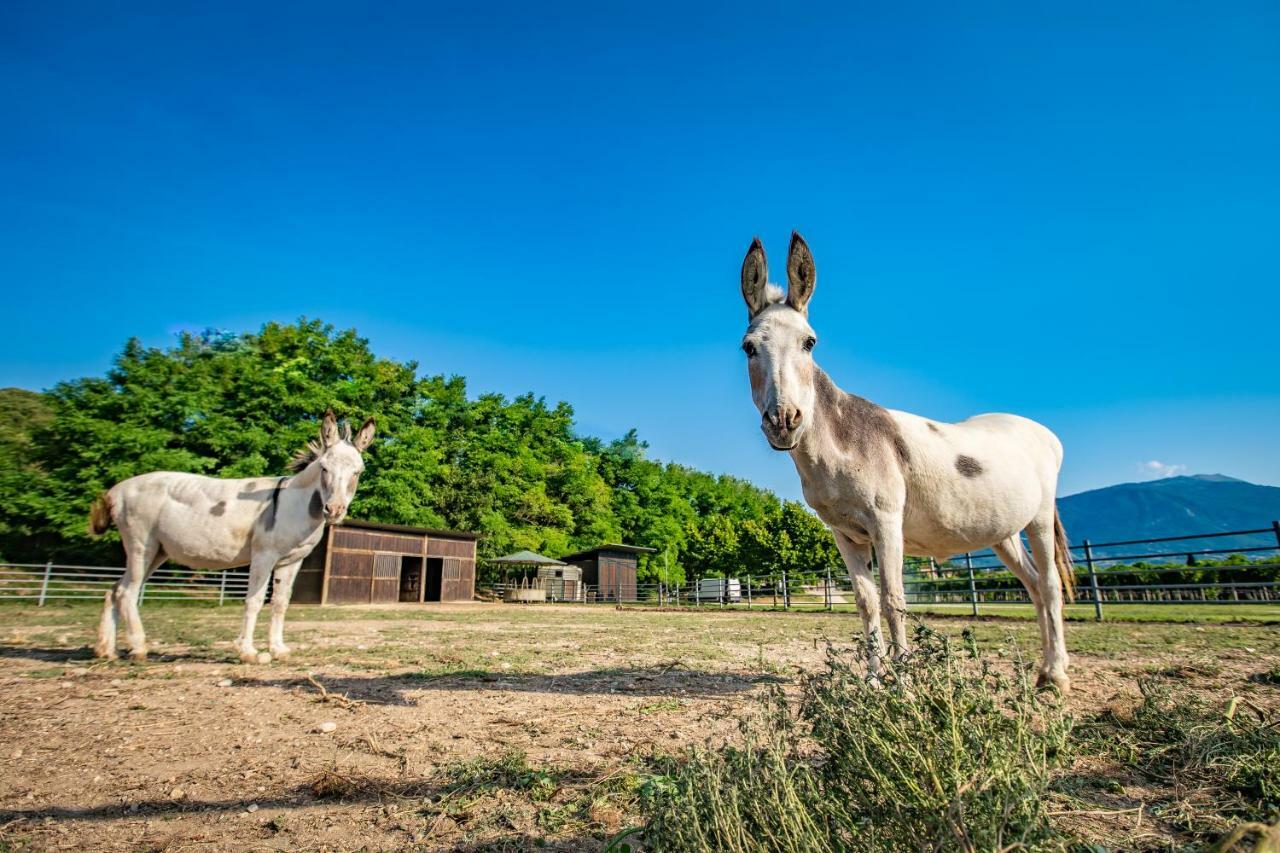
<point x="514" y="470"/>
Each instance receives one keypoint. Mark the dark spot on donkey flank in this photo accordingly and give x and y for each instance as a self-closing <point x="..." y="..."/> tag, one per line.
<point x="968" y="466"/>
<point x="220" y="508"/>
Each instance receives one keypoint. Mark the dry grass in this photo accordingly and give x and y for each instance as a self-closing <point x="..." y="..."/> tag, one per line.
<point x="492" y="727"/>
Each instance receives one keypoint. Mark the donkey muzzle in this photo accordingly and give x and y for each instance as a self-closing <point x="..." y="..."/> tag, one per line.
<point x="781" y="425"/>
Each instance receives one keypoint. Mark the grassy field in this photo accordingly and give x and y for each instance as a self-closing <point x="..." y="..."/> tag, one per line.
<point x="1262" y="614"/>
<point x="506" y="727"/>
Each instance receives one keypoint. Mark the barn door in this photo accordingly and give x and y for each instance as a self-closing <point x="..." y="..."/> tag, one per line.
<point x="450" y="577"/>
<point x="386" y="578"/>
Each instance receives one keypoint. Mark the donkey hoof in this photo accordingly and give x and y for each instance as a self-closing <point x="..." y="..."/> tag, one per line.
<point x="138" y="654"/>
<point x="280" y="653"/>
<point x="1059" y="680"/>
<point x="248" y="655"/>
<point x="105" y="652"/>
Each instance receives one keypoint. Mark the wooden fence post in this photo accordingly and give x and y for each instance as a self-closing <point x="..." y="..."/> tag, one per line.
<point x="222" y="589"/>
<point x="829" y="596"/>
<point x="748" y="592"/>
<point x="1093" y="581"/>
<point x="786" y="592"/>
<point x="973" y="589"/>
<point x="44" y="584"/>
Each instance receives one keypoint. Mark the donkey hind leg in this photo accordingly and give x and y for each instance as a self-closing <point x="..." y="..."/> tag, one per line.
<point x="143" y="559"/>
<point x="281" y="591"/>
<point x="1018" y="561"/>
<point x="1054" y="669"/>
<point x="106" y="645"/>
<point x="858" y="560"/>
<point x="259" y="572"/>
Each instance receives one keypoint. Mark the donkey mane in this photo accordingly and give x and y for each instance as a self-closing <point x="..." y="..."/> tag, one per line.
<point x="312" y="451"/>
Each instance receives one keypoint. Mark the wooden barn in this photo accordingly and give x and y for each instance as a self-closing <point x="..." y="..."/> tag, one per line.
<point x="360" y="562"/>
<point x="609" y="571"/>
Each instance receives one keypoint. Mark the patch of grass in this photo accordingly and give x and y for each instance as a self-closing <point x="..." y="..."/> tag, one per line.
<point x="663" y="706"/>
<point x="1192" y="668"/>
<point x="509" y="772"/>
<point x="946" y="754"/>
<point x="331" y="785"/>
<point x="1220" y="762"/>
<point x="493" y="796"/>
<point x="1268" y="676"/>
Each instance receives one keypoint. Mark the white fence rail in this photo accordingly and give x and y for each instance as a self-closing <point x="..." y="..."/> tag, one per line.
<point x="41" y="583"/>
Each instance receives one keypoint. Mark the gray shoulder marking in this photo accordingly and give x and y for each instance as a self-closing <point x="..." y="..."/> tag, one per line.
<point x="968" y="466"/>
<point x="857" y="422"/>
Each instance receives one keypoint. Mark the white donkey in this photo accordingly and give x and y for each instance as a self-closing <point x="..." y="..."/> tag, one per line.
<point x="209" y="523"/>
<point x="900" y="483"/>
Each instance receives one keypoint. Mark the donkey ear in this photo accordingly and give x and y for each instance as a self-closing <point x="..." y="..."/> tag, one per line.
<point x="755" y="278"/>
<point x="802" y="275"/>
<point x="364" y="437"/>
<point x="329" y="430"/>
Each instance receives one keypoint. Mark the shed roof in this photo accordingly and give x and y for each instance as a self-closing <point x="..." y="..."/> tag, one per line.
<point x="629" y="549"/>
<point x="404" y="528"/>
<point x="526" y="558"/>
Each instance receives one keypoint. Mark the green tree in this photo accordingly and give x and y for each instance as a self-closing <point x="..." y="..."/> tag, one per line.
<point x="513" y="470"/>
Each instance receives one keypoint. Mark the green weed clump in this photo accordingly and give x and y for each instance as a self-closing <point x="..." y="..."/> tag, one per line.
<point x="946" y="753"/>
<point x="1220" y="760"/>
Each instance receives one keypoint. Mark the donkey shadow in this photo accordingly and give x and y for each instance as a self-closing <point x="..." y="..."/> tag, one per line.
<point x="84" y="654"/>
<point x="400" y="690"/>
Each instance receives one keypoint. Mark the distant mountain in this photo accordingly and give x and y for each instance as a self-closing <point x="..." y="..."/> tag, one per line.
<point x="1174" y="506"/>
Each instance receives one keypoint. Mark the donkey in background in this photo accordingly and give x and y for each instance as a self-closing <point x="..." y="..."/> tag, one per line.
<point x="900" y="483"/>
<point x="269" y="524"/>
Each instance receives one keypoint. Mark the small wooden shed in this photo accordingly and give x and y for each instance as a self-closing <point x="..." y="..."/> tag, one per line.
<point x="362" y="562"/>
<point x="562" y="582"/>
<point x="609" y="571"/>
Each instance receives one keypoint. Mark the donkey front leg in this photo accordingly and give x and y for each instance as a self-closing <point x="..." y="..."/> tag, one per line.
<point x="281" y="591"/>
<point x="893" y="598"/>
<point x="858" y="560"/>
<point x="259" y="573"/>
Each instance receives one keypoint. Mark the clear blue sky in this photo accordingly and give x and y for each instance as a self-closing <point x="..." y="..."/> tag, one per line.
<point x="1069" y="213"/>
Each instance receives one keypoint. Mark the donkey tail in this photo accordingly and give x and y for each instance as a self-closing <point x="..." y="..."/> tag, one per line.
<point x="1062" y="556"/>
<point x="100" y="519"/>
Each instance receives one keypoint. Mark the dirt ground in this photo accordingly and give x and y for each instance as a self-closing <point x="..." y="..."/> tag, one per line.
<point x="406" y="726"/>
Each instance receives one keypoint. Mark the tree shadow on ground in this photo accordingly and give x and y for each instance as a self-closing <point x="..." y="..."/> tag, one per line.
<point x="326" y="789"/>
<point x="624" y="681"/>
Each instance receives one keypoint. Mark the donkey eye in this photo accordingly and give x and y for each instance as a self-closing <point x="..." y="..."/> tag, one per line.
<point x="810" y="343"/>
<point x="750" y="349"/>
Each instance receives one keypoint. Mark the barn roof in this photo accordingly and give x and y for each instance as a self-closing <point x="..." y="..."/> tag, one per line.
<point x="526" y="558"/>
<point x="613" y="546"/>
<point x="404" y="528"/>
